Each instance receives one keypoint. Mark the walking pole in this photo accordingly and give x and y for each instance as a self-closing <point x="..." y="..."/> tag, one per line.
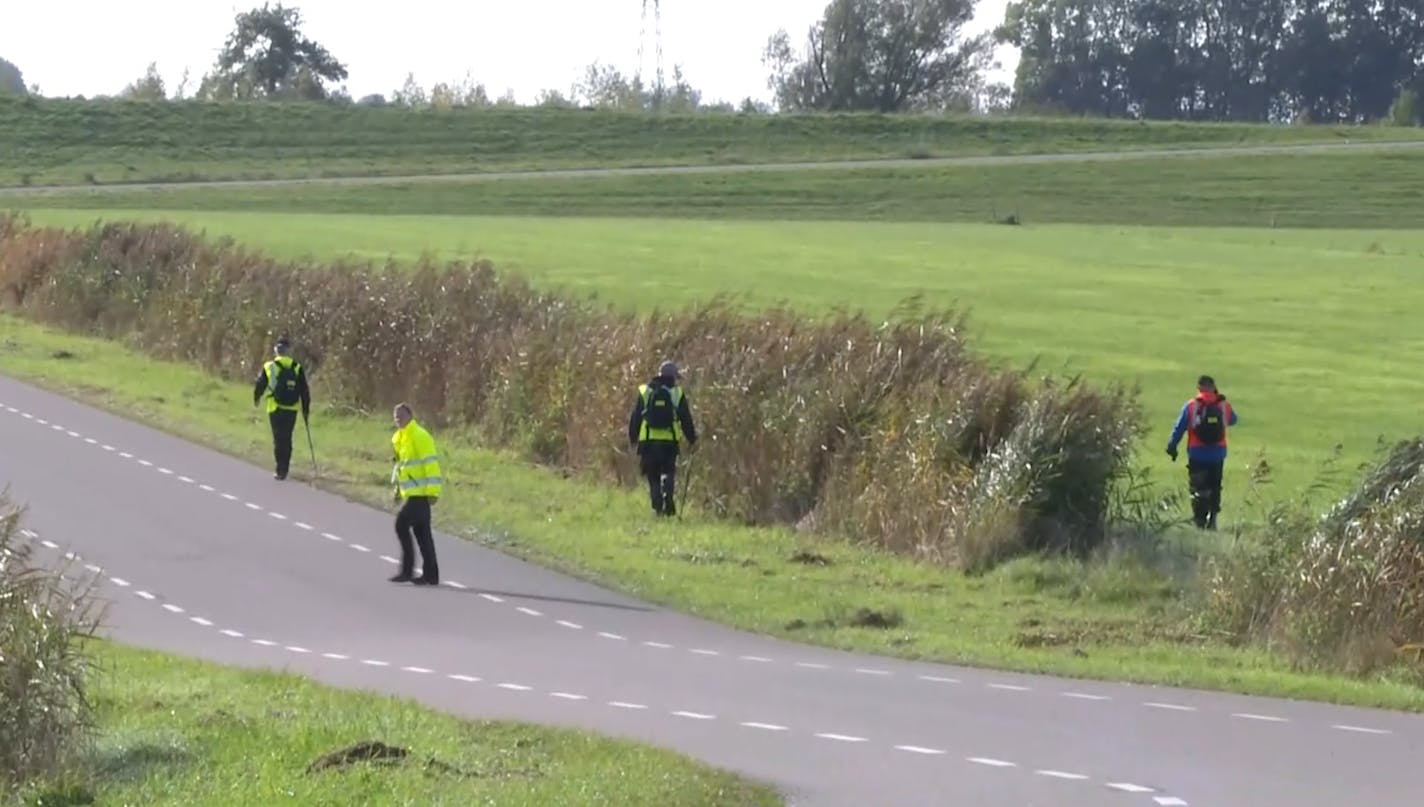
<point x="686" y="484"/>
<point x="307" y="424"/>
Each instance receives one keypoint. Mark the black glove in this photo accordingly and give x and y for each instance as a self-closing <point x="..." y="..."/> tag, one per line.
<point x="1172" y="452"/>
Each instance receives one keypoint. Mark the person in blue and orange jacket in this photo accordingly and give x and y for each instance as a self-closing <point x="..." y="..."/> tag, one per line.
<point x="1204" y="419"/>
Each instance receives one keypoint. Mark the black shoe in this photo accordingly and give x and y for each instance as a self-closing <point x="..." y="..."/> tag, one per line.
<point x="425" y="580"/>
<point x="401" y="578"/>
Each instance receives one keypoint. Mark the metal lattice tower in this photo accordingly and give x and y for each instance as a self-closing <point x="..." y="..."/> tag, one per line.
<point x="657" y="40"/>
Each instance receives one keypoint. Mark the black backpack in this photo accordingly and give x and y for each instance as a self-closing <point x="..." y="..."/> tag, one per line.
<point x="659" y="411"/>
<point x="284" y="386"/>
<point x="1210" y="426"/>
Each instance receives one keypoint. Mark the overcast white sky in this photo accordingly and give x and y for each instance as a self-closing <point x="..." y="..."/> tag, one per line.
<point x="96" y="47"/>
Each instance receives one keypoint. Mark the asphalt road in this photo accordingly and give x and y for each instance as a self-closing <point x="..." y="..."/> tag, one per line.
<point x="571" y="173"/>
<point x="204" y="555"/>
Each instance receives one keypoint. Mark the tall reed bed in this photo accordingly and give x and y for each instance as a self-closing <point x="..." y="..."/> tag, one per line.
<point x="888" y="432"/>
<point x="45" y="712"/>
<point x="1342" y="590"/>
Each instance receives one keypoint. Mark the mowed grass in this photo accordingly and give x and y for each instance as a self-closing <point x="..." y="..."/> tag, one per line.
<point x="173" y="731"/>
<point x="64" y="141"/>
<point x="1123" y="618"/>
<point x="1312" y="334"/>
<point x="1346" y="189"/>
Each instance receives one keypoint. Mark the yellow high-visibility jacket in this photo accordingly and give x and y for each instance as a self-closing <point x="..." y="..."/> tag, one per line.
<point x="417" y="471"/>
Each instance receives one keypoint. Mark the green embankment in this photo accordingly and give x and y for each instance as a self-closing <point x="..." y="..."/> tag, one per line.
<point x="1351" y="190"/>
<point x="63" y="141"/>
<point x="177" y="732"/>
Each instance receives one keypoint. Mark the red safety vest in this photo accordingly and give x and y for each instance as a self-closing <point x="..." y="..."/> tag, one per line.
<point x="1193" y="408"/>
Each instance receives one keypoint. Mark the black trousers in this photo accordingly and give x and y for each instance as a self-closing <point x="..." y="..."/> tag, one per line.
<point x="284" y="422"/>
<point x="1205" y="481"/>
<point x="414" y="520"/>
<point x="658" y="462"/>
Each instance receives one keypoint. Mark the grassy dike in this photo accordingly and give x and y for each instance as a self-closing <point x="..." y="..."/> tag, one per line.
<point x="177" y="732"/>
<point x="50" y="141"/>
<point x="1366" y="188"/>
<point x="1115" y="620"/>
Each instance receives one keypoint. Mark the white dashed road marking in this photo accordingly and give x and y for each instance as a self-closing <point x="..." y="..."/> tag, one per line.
<point x="1362" y="729"/>
<point x="1129" y="788"/>
<point x="1170" y="706"/>
<point x="765" y="726"/>
<point x="915" y="749"/>
<point x="1266" y="718"/>
<point x="993" y="763"/>
<point x="1062" y="775"/>
<point x="843" y="738"/>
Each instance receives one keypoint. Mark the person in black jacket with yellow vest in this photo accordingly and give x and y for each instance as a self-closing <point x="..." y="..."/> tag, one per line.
<point x="284" y="383"/>
<point x="660" y="420"/>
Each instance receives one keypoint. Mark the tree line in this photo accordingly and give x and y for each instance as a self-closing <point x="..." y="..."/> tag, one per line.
<point x="1327" y="61"/>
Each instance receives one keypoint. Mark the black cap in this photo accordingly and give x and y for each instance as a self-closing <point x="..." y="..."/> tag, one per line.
<point x="1206" y="382"/>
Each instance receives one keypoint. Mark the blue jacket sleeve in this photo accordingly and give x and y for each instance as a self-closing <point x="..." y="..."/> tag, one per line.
<point x="1179" y="429"/>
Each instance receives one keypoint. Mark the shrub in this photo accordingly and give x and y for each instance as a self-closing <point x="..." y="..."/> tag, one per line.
<point x="1344" y="590"/>
<point x="45" y="713"/>
<point x="889" y="431"/>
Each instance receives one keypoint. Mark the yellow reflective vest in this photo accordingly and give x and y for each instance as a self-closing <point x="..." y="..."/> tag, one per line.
<point x="417" y="471"/>
<point x="647" y="434"/>
<point x="270" y="368"/>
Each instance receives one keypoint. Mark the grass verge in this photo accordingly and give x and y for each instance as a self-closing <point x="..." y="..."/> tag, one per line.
<point x="1382" y="189"/>
<point x="172" y="731"/>
<point x="62" y="141"/>
<point x="1126" y="618"/>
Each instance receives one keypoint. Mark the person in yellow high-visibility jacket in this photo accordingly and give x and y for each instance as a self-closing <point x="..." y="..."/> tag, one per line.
<point x="416" y="478"/>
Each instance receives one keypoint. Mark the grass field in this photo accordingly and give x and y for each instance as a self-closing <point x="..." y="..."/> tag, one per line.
<point x="178" y="732"/>
<point x="1264" y="311"/>
<point x="1356" y="189"/>
<point x="1127" y="619"/>
<point x="64" y="141"/>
